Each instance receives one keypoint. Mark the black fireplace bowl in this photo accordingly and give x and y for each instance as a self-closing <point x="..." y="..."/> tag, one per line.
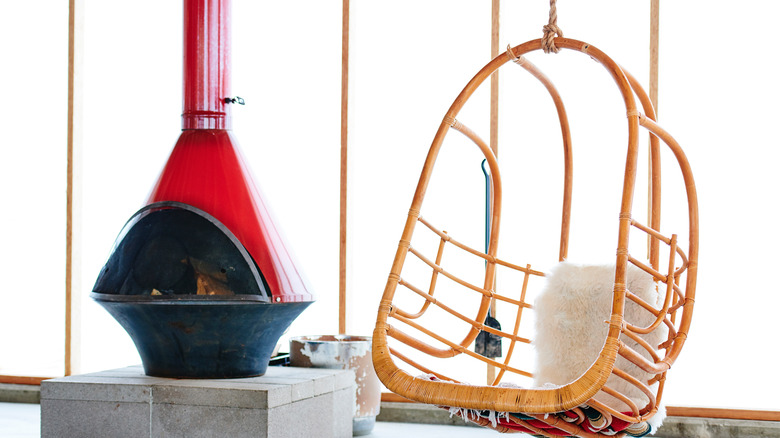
<point x="200" y="337"/>
<point x="190" y="296"/>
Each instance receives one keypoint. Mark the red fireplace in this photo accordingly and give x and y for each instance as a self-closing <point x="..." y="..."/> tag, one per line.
<point x="201" y="277"/>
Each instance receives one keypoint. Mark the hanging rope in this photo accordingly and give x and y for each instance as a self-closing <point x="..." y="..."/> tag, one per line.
<point x="550" y="30"/>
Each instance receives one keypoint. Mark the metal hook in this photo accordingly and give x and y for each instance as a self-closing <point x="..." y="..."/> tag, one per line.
<point x="236" y="99"/>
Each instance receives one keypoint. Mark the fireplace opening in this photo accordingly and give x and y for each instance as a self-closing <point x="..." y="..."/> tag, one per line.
<point x="171" y="248"/>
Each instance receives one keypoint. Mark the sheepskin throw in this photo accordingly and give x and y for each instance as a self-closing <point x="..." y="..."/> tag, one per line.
<point x="570" y="327"/>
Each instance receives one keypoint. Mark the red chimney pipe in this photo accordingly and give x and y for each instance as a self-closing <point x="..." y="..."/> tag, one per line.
<point x="206" y="64"/>
<point x="206" y="169"/>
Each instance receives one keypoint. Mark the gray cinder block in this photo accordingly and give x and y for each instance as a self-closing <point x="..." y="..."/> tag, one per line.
<point x="285" y="403"/>
<point x="94" y="419"/>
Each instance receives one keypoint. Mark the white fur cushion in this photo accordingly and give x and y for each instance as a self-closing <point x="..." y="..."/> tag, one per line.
<point x="570" y="327"/>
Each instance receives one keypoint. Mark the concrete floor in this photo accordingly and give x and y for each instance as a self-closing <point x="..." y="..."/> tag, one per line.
<point x="23" y="420"/>
<point x="394" y="430"/>
<point x="20" y="420"/>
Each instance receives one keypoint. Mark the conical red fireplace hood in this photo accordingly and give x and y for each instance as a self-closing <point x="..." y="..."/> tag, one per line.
<point x="206" y="168"/>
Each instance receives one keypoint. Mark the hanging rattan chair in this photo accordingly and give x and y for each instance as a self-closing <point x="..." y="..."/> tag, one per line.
<point x="626" y="356"/>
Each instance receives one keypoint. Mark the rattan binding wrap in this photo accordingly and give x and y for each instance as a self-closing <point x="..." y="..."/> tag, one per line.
<point x="677" y="280"/>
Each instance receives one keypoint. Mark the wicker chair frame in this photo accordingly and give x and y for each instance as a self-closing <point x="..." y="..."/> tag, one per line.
<point x="675" y="314"/>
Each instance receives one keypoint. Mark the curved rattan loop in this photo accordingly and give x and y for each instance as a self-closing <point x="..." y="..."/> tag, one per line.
<point x="655" y="168"/>
<point x="568" y="162"/>
<point x="541" y="401"/>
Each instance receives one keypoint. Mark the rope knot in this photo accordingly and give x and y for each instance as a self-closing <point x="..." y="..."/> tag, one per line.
<point x="550" y="30"/>
<point x="548" y="39"/>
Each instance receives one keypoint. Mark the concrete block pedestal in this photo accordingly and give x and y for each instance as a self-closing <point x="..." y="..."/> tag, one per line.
<point x="286" y="402"/>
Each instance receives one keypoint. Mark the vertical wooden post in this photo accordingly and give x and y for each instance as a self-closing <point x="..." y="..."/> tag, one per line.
<point x="494" y="34"/>
<point x="654" y="43"/>
<point x="495" y="27"/>
<point x="653" y="87"/>
<point x="343" y="182"/>
<point x="73" y="209"/>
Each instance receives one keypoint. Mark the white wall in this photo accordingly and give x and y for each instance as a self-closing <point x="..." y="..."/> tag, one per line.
<point x="33" y="116"/>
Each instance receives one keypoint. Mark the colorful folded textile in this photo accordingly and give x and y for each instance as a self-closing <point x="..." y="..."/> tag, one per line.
<point x="592" y="422"/>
